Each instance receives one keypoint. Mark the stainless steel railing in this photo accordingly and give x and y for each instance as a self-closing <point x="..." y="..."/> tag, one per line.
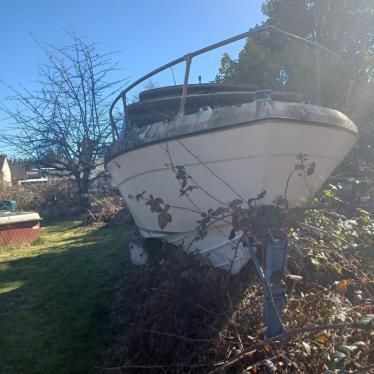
<point x="188" y="59"/>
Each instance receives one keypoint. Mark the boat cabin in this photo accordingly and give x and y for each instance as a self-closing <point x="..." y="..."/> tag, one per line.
<point x="163" y="104"/>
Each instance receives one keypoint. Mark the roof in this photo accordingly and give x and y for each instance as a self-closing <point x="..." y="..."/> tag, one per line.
<point x="2" y="160"/>
<point x="18" y="170"/>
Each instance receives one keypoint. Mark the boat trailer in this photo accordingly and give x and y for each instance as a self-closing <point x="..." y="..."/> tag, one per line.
<point x="274" y="294"/>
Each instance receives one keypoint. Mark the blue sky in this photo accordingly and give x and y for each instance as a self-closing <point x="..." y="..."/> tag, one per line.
<point x="147" y="33"/>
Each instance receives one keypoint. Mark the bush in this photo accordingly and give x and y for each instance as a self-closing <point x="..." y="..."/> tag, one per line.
<point x="57" y="199"/>
<point x="17" y="193"/>
<point x="109" y="208"/>
<point x="53" y="199"/>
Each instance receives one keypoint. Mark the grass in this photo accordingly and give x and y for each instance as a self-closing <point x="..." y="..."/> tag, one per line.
<point x="55" y="300"/>
<point x="54" y="296"/>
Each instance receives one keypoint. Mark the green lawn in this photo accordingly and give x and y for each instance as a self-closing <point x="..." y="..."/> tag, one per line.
<point x="54" y="296"/>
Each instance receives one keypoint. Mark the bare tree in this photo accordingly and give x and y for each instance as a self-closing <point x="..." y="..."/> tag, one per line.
<point x="64" y="124"/>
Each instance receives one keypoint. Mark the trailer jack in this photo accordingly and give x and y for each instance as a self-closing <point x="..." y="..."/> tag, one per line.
<point x="274" y="294"/>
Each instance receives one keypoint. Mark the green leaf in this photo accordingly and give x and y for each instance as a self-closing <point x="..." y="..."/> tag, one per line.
<point x="163" y="219"/>
<point x="155" y="205"/>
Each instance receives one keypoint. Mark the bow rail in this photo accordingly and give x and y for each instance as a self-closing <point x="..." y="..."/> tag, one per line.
<point x="188" y="59"/>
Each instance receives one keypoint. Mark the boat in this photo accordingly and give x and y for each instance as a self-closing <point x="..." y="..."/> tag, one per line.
<point x="19" y="227"/>
<point x="230" y="142"/>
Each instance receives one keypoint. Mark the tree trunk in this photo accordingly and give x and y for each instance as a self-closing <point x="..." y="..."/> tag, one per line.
<point x="83" y="185"/>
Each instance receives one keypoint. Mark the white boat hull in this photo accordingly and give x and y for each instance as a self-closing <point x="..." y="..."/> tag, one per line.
<point x="247" y="159"/>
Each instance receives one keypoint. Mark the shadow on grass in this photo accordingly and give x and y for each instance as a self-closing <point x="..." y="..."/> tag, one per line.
<point x="52" y="305"/>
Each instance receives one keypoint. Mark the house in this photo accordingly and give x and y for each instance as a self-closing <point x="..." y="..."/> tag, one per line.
<point x="102" y="180"/>
<point x="18" y="171"/>
<point x="25" y="173"/>
<point x="5" y="172"/>
<point x="28" y="174"/>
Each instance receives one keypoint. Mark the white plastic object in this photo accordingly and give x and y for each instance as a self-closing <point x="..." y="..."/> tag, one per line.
<point x="138" y="254"/>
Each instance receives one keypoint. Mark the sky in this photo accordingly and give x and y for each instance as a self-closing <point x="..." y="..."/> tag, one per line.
<point x="146" y="33"/>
